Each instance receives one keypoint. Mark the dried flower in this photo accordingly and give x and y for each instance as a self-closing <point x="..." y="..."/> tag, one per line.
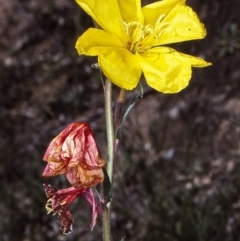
<point x="59" y="201"/>
<point x="74" y="153"/>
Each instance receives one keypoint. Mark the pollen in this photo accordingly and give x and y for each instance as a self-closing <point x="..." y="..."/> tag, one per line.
<point x="49" y="206"/>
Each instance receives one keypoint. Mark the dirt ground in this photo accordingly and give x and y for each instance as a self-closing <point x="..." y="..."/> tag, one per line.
<point x="177" y="172"/>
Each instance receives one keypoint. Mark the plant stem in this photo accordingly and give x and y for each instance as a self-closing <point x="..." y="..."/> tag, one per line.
<point x="110" y="156"/>
<point x="109" y="127"/>
<point x="111" y="148"/>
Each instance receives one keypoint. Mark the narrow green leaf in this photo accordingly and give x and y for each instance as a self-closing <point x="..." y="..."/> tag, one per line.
<point x="126" y="113"/>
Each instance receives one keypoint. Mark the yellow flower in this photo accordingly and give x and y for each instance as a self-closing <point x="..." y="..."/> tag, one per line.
<point x="131" y="42"/>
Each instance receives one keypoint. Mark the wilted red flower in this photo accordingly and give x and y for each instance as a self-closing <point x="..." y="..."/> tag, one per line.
<point x="74" y="153"/>
<point x="59" y="201"/>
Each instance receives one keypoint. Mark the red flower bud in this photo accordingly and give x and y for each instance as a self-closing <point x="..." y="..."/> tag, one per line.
<point x="74" y="152"/>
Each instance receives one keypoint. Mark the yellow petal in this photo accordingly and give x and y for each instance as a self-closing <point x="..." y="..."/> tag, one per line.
<point x="105" y="13"/>
<point x="167" y="70"/>
<point x="153" y="11"/>
<point x="92" y="41"/>
<point x="131" y="10"/>
<point x="120" y="66"/>
<point x="181" y="24"/>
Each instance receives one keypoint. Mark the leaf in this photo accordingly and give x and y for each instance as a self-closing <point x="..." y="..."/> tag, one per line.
<point x="129" y="108"/>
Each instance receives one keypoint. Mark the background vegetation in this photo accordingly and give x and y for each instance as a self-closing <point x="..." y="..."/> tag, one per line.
<point x="177" y="174"/>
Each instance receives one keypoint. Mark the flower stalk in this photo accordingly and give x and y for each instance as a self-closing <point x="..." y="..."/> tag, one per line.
<point x="106" y="209"/>
<point x="112" y="143"/>
<point x="110" y="128"/>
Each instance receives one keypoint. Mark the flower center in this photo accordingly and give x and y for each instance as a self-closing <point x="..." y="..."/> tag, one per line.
<point x="139" y="38"/>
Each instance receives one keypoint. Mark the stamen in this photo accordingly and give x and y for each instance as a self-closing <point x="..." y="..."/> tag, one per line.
<point x="140" y="38"/>
<point x="49" y="206"/>
<point x="160" y="18"/>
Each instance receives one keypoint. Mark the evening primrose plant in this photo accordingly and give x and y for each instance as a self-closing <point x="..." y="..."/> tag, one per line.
<point x="129" y="41"/>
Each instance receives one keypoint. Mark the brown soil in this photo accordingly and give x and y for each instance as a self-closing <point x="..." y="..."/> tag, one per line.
<point x="177" y="172"/>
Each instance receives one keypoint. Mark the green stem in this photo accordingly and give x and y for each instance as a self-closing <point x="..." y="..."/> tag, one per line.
<point x="109" y="127"/>
<point x="110" y="143"/>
